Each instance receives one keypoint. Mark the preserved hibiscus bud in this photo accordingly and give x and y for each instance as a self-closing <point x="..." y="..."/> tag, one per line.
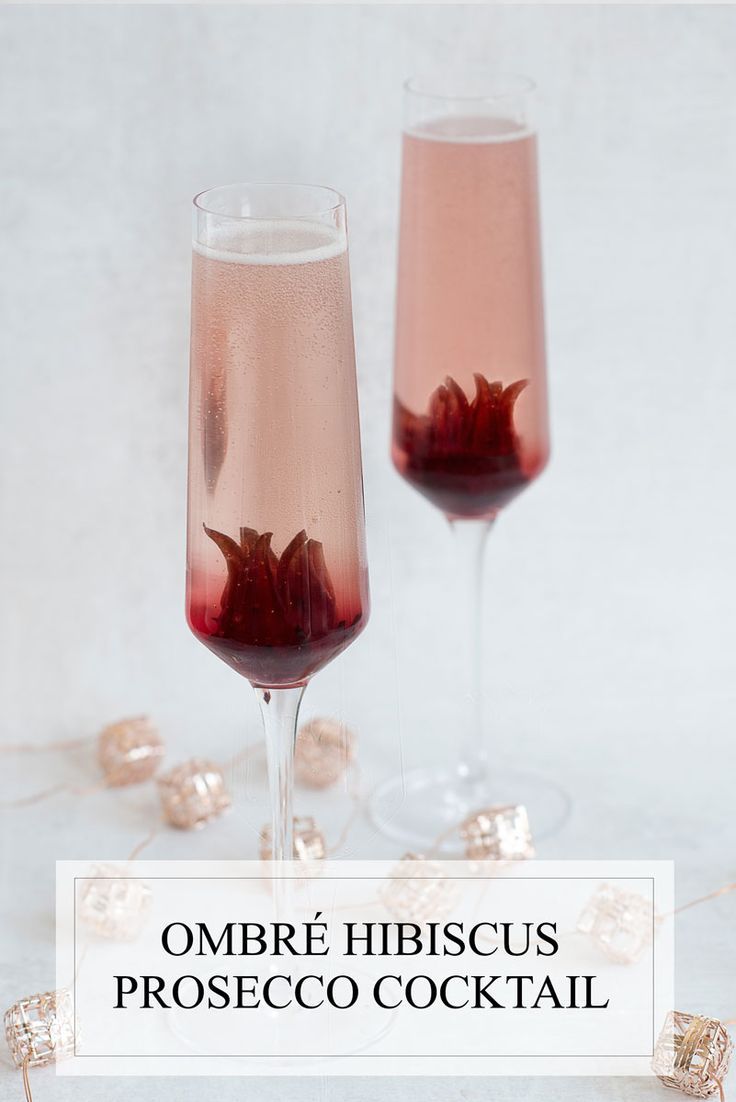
<point x="283" y="605"/>
<point x="464" y="455"/>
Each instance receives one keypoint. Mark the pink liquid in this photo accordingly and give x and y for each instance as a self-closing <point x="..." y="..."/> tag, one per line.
<point x="274" y="453"/>
<point x="470" y="303"/>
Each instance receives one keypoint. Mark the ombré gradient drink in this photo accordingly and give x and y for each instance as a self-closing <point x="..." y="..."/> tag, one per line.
<point x="470" y="401"/>
<point x="470" y="412"/>
<point x="277" y="579"/>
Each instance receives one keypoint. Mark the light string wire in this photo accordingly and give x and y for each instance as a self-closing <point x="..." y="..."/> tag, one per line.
<point x="53" y="790"/>
<point x="44" y="747"/>
<point x="724" y="890"/>
<point x="26" y="1084"/>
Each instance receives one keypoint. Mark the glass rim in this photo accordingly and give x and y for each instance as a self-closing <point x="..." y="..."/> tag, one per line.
<point x="509" y="85"/>
<point x="335" y="202"/>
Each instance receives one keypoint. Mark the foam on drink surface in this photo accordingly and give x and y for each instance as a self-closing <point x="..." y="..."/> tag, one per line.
<point x="261" y="241"/>
<point x="470" y="128"/>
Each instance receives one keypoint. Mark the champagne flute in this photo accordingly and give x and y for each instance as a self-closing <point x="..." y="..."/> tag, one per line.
<point x="470" y="427"/>
<point x="277" y="582"/>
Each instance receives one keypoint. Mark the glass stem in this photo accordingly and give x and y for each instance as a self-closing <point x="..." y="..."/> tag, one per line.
<point x="470" y="541"/>
<point x="280" y="712"/>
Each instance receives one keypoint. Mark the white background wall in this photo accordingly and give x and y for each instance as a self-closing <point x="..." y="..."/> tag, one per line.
<point x="610" y="600"/>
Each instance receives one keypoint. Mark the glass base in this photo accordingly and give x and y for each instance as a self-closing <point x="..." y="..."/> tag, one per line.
<point x="283" y="1040"/>
<point x="424" y="804"/>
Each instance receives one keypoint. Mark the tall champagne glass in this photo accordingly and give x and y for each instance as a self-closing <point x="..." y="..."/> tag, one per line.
<point x="277" y="581"/>
<point x="470" y="425"/>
